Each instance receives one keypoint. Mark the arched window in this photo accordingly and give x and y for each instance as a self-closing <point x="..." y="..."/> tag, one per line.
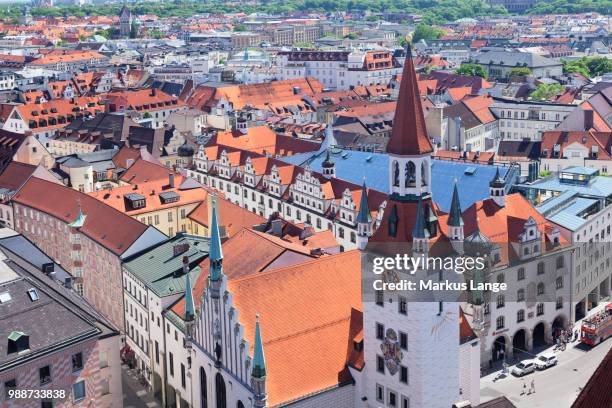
<point x="540" y="288"/>
<point x="501" y="301"/>
<point x="396" y="182"/>
<point x="220" y="391"/>
<point x="410" y="170"/>
<point x="424" y="180"/>
<point x="520" y="295"/>
<point x="203" y="389"/>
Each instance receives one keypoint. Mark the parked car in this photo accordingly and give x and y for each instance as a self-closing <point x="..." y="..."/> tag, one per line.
<point x="545" y="360"/>
<point x="523" y="368"/>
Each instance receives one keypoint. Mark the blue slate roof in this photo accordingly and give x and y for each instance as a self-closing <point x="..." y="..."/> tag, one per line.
<point x="353" y="166"/>
<point x="599" y="186"/>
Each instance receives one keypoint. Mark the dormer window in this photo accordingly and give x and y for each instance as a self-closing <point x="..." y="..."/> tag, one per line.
<point x="18" y="342"/>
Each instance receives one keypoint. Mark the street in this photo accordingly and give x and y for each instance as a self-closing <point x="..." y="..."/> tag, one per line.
<point x="555" y="387"/>
<point x="134" y="394"/>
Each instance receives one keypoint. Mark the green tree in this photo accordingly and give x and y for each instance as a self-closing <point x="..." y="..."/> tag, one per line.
<point x="239" y="28"/>
<point x="546" y="91"/>
<point x="134" y="30"/>
<point x="579" y="66"/>
<point x="426" y="32"/>
<point x="519" y="71"/>
<point x="472" y="70"/>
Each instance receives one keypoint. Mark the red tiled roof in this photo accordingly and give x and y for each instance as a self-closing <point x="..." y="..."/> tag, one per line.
<point x="105" y="225"/>
<point x="295" y="322"/>
<point x="232" y="217"/>
<point x="142" y="171"/>
<point x="409" y="135"/>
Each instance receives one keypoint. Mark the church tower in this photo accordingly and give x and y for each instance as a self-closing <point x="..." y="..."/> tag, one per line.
<point x="456" y="231"/>
<point x="411" y="338"/>
<point x="125" y="22"/>
<point x="364" y="219"/>
<point x="497" y="188"/>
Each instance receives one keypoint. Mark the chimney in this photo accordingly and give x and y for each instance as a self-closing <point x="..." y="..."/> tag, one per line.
<point x="185" y="264"/>
<point x="171" y="180"/>
<point x="153" y="91"/>
<point x="588" y="119"/>
<point x="277" y="227"/>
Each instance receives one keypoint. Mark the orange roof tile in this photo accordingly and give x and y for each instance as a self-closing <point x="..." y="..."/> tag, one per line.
<point x="232" y="217"/>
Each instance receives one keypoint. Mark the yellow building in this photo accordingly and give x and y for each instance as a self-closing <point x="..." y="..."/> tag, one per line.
<point x="164" y="204"/>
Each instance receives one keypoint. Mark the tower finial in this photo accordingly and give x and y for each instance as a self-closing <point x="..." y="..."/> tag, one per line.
<point x="259" y="360"/>
<point x="454" y="215"/>
<point x="216" y="253"/>
<point x="189" y="303"/>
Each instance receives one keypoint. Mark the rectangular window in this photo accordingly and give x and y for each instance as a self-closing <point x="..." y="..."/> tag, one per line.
<point x="379" y="298"/>
<point x="380" y="393"/>
<point x="44" y="374"/>
<point x="402" y="305"/>
<point x="403" y="340"/>
<point x="182" y="375"/>
<point x="78" y="391"/>
<point x="404" y="374"/>
<point x="9" y="385"/>
<point x="380" y="331"/>
<point x="171" y="364"/>
<point x="156" y="352"/>
<point x="77" y="362"/>
<point x="392" y="399"/>
<point x="380" y="364"/>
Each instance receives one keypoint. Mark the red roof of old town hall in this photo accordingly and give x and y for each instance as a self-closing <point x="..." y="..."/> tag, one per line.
<point x="409" y="136"/>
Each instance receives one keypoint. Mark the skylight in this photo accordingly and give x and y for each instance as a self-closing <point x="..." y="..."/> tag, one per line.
<point x="5" y="297"/>
<point x="33" y="294"/>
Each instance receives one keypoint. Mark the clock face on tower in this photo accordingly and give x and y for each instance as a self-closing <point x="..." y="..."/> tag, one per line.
<point x="391" y="351"/>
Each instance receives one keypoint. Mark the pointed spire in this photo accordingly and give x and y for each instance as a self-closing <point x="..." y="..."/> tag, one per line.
<point x="364" y="210"/>
<point x="328" y="162"/>
<point x="189" y="303"/>
<point x="216" y="254"/>
<point x="79" y="221"/>
<point x="409" y="135"/>
<point x="420" y="230"/>
<point x="454" y="216"/>
<point x="497" y="180"/>
<point x="259" y="360"/>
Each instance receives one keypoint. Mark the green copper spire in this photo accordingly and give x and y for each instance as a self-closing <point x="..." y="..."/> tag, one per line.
<point x="420" y="230"/>
<point x="454" y="216"/>
<point x="189" y="305"/>
<point x="216" y="254"/>
<point x="259" y="360"/>
<point x="364" y="211"/>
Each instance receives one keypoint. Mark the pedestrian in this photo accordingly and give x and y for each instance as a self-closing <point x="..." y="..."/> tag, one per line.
<point x="533" y="386"/>
<point x="524" y="388"/>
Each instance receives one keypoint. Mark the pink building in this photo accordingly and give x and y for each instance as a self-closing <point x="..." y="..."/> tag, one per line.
<point x="87" y="237"/>
<point x="53" y="344"/>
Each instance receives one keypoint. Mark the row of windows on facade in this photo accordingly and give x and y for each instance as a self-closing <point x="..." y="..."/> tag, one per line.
<point x="298" y="213"/>
<point x="135" y="292"/>
<point x="500" y="322"/>
<point x="45" y="377"/>
<point x="533" y="115"/>
<point x="392" y="397"/>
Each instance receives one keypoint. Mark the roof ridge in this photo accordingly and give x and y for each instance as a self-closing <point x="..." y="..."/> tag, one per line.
<point x="293" y="266"/>
<point x="309" y="330"/>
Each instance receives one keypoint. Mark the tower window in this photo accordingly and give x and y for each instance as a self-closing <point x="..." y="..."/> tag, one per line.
<point x="380" y="331"/>
<point x="380" y="364"/>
